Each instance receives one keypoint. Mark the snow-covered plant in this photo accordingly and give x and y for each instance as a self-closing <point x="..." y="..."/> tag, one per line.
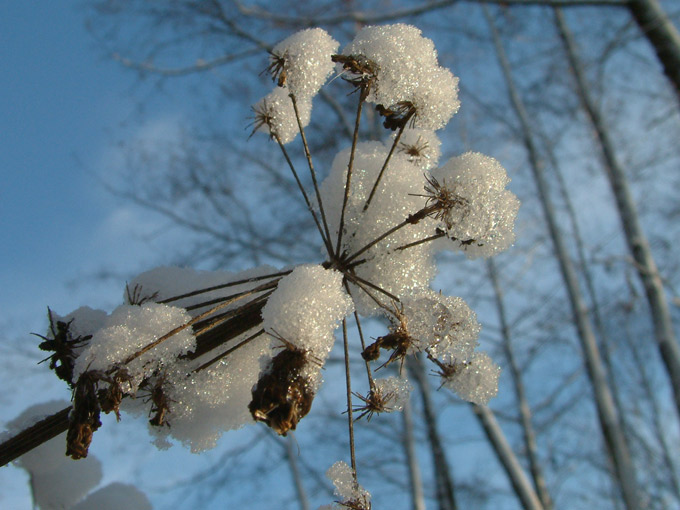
<point x="207" y="352"/>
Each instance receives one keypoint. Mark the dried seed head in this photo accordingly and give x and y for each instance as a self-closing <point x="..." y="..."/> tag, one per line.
<point x="359" y="71"/>
<point x="84" y="418"/>
<point x="111" y="397"/>
<point x="398" y="115"/>
<point x="283" y="395"/>
<point x="63" y="343"/>
<point x="386" y="396"/>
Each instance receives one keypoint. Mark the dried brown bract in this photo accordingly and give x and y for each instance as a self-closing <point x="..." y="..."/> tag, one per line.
<point x="398" y="341"/>
<point x="262" y="117"/>
<point x="414" y="151"/>
<point x="445" y="199"/>
<point x="111" y="397"/>
<point x="375" y="402"/>
<point x="160" y="403"/>
<point x="356" y="504"/>
<point x="284" y="395"/>
<point x="277" y="69"/>
<point x="360" y="72"/>
<point x="84" y="418"/>
<point x="397" y="116"/>
<point x="136" y="297"/>
<point x="446" y="370"/>
<point x="63" y="344"/>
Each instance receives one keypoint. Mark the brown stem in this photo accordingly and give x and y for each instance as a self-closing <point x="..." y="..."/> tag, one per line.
<point x="308" y="154"/>
<point x="348" y="380"/>
<point x="355" y="139"/>
<point x="384" y="167"/>
<point x="326" y="240"/>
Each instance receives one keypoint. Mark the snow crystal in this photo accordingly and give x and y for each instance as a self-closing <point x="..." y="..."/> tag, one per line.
<point x="396" y="271"/>
<point x="129" y="329"/>
<point x="346" y="486"/>
<point x="204" y="404"/>
<point x="306" y="307"/>
<point x="435" y="99"/>
<point x="407" y="72"/>
<point x="444" y="326"/>
<point x="402" y="57"/>
<point x="275" y="115"/>
<point x="475" y="380"/>
<point x="482" y="219"/>
<point x="305" y="60"/>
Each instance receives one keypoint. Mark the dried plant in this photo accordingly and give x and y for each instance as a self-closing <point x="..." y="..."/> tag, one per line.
<point x="189" y="343"/>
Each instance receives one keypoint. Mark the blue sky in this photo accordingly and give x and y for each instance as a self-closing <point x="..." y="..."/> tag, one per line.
<point x="61" y="105"/>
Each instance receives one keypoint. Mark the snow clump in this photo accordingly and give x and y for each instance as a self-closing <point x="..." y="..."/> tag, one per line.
<point x="306" y="307"/>
<point x="302" y="62"/>
<point x="481" y="215"/>
<point x="131" y="328"/>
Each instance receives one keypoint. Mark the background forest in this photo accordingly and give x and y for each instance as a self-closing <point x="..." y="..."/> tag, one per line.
<point x="578" y="99"/>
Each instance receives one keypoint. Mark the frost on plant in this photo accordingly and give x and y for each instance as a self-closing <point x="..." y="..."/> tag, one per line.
<point x="199" y="353"/>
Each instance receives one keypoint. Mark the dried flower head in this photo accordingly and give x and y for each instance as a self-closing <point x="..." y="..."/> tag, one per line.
<point x="284" y="394"/>
<point x="64" y="345"/>
<point x="84" y="418"/>
<point x="386" y="395"/>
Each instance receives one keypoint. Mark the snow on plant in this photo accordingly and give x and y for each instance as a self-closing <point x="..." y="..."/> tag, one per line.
<point x="207" y="352"/>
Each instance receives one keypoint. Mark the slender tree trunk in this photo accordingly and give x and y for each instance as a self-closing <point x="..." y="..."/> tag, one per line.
<point x="528" y="433"/>
<point x="443" y="479"/>
<point x="415" y="478"/>
<point x="605" y="344"/>
<point x="606" y="410"/>
<point x="295" y="473"/>
<point x="635" y="236"/>
<point x="661" y="34"/>
<point x="518" y="478"/>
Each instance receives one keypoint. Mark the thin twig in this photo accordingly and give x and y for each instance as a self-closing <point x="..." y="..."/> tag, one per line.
<point x="384" y="167"/>
<point x="230" y="350"/>
<point x="410" y="220"/>
<point x="348" y="380"/>
<point x="308" y="154"/>
<point x="223" y="286"/>
<point x="326" y="240"/>
<point x="371" y="384"/>
<point x="350" y="165"/>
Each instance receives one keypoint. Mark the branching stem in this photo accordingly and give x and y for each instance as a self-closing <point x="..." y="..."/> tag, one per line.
<point x="326" y="240"/>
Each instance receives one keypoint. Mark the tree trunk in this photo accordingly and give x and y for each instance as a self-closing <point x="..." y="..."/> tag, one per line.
<point x="630" y="221"/>
<point x="443" y="479"/>
<point x="528" y="432"/>
<point x="661" y="34"/>
<point x="415" y="479"/>
<point x="606" y="410"/>
<point x="519" y="480"/>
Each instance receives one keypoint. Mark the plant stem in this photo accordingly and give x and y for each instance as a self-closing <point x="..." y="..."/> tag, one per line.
<point x="382" y="170"/>
<point x="308" y="154"/>
<point x="348" y="380"/>
<point x="355" y="139"/>
<point x="326" y="241"/>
